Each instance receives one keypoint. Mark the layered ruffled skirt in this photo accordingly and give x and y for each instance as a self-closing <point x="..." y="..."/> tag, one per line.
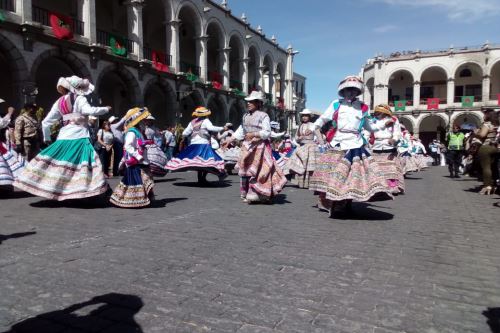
<point x="390" y="165"/>
<point x="198" y="157"/>
<point x="67" y="169"/>
<point x="408" y="163"/>
<point x="302" y="164"/>
<point x="11" y="165"/>
<point x="134" y="189"/>
<point x="157" y="160"/>
<point x="348" y="175"/>
<point x="257" y="164"/>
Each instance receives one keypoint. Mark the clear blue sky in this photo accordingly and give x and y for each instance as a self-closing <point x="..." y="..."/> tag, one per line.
<point x="336" y="37"/>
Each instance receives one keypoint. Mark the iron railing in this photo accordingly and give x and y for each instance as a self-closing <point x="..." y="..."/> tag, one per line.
<point x="42" y="16"/>
<point x="103" y="38"/>
<point x="8" y="5"/>
<point x="164" y="58"/>
<point x="215" y="77"/>
<point x="458" y="99"/>
<point x="234" y="84"/>
<point x="190" y="68"/>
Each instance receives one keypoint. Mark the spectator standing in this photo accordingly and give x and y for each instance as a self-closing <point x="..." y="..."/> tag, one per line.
<point x="455" y="151"/>
<point x="27" y="133"/>
<point x="105" y="138"/>
<point x="117" y="128"/>
<point x="170" y="142"/>
<point x="434" y="149"/>
<point x="488" y="152"/>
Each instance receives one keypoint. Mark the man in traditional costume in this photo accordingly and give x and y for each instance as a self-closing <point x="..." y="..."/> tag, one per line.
<point x="261" y="179"/>
<point x="384" y="149"/>
<point x="69" y="168"/>
<point x="303" y="160"/>
<point x="135" y="189"/>
<point x="199" y="155"/>
<point x="345" y="170"/>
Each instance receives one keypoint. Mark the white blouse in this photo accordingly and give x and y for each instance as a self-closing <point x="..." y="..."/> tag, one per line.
<point x="382" y="137"/>
<point x="205" y="125"/>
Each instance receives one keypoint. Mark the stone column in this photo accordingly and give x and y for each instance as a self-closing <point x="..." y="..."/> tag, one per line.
<point x="450" y="92"/>
<point x="23" y="9"/>
<point x="486" y="89"/>
<point x="288" y="98"/>
<point x="244" y="63"/>
<point x="174" y="44"/>
<point x="134" y="24"/>
<point x="416" y="94"/>
<point x="261" y="77"/>
<point x="201" y="52"/>
<point x="88" y="16"/>
<point x="225" y="66"/>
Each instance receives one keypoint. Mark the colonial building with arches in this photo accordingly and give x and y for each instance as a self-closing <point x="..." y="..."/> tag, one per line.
<point x="443" y="77"/>
<point x="170" y="55"/>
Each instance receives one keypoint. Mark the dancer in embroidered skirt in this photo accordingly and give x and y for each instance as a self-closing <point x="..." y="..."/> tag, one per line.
<point x="261" y="179"/>
<point x="384" y="149"/>
<point x="199" y="155"/>
<point x="69" y="168"/>
<point x="345" y="170"/>
<point x="155" y="155"/>
<point x="11" y="163"/>
<point x="405" y="152"/>
<point x="135" y="189"/>
<point x="302" y="163"/>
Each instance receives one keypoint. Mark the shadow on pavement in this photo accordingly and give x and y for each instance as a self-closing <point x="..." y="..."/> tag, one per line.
<point x="5" y="195"/>
<point x="80" y="204"/>
<point x="493" y="315"/>
<point x="166" y="180"/>
<point x="16" y="235"/>
<point x="360" y="211"/>
<point x="412" y="178"/>
<point x="280" y="199"/>
<point x="160" y="203"/>
<point x="214" y="184"/>
<point x="111" y="313"/>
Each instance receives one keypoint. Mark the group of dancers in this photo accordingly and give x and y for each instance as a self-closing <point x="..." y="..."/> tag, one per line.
<point x="345" y="155"/>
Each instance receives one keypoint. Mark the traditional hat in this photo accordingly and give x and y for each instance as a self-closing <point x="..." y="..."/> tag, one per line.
<point x="201" y="111"/>
<point x="306" y="112"/>
<point x="63" y="83"/>
<point x="80" y="86"/>
<point x="275" y="125"/>
<point x="150" y="117"/>
<point x="383" y="108"/>
<point x="229" y="125"/>
<point x="351" y="81"/>
<point x="135" y="116"/>
<point x="112" y="119"/>
<point x="255" y="96"/>
<point x="92" y="118"/>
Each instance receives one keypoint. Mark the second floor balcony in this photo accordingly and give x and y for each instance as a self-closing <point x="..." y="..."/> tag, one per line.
<point x="42" y="16"/>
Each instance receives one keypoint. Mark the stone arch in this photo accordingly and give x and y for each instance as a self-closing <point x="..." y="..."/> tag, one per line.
<point x="494" y="74"/>
<point x="154" y="32"/>
<point x="161" y="101"/>
<point x="191" y="6"/>
<point x="470" y="84"/>
<point x="434" y="83"/>
<point x="15" y="73"/>
<point x="216" y="42"/>
<point x="401" y="69"/>
<point x="117" y="87"/>
<point x="219" y="110"/>
<point x="267" y="80"/>
<point x="465" y="116"/>
<point x="279" y="83"/>
<point x="188" y="104"/>
<point x="253" y="57"/>
<point x="236" y="56"/>
<point x="190" y="28"/>
<point x="409" y="123"/>
<point x="431" y="66"/>
<point x="432" y="126"/>
<point x="369" y="92"/>
<point x="400" y="84"/>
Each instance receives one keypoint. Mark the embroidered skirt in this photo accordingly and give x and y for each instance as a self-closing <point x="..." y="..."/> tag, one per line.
<point x="67" y="169"/>
<point x="11" y="165"/>
<point x="199" y="157"/>
<point x="257" y="163"/>
<point x="134" y="188"/>
<point x="352" y="174"/>
<point x="157" y="160"/>
<point x="302" y="164"/>
<point x="408" y="163"/>
<point x="390" y="165"/>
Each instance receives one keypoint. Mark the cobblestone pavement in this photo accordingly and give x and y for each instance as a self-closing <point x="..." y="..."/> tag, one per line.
<point x="201" y="261"/>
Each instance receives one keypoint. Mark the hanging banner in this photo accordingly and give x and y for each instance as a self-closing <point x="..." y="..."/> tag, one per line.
<point x="400" y="105"/>
<point x="2" y="16"/>
<point x="159" y="61"/>
<point x="191" y="77"/>
<point x="61" y="26"/>
<point x="467" y="101"/>
<point x="117" y="45"/>
<point x="217" y="85"/>
<point x="432" y="103"/>
<point x="498" y="97"/>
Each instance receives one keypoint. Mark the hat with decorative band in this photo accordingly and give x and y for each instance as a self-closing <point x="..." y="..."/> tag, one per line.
<point x="201" y="111"/>
<point x="135" y="116"/>
<point x="255" y="96"/>
<point x="351" y="81"/>
<point x="383" y="108"/>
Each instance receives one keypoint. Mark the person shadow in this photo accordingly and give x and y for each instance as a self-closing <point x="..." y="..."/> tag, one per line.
<point x="16" y="235"/>
<point x="111" y="312"/>
<point x="493" y="316"/>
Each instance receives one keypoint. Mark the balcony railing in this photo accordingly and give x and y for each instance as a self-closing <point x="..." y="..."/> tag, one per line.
<point x="42" y="16"/>
<point x="190" y="68"/>
<point x="458" y="99"/>
<point x="423" y="101"/>
<point x="164" y="58"/>
<point x="103" y="38"/>
<point x="494" y="97"/>
<point x="8" y="5"/>
<point x="234" y="84"/>
<point x="215" y="77"/>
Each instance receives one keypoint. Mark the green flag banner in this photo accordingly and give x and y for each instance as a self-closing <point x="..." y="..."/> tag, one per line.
<point x="191" y="77"/>
<point x="117" y="45"/>
<point x="2" y="16"/>
<point x="467" y="101"/>
<point x="400" y="105"/>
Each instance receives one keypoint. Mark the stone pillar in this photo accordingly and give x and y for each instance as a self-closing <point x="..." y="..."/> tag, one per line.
<point x="261" y="78"/>
<point x="134" y="24"/>
<point x="244" y="63"/>
<point x="416" y="94"/>
<point x="201" y="52"/>
<point x="273" y="77"/>
<point x="486" y="89"/>
<point x="88" y="16"/>
<point x="288" y="98"/>
<point x="23" y="9"/>
<point x="174" y="44"/>
<point x="450" y="92"/>
<point x="225" y="66"/>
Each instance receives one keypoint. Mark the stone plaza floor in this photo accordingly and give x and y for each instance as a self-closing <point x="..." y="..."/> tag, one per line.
<point x="202" y="261"/>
